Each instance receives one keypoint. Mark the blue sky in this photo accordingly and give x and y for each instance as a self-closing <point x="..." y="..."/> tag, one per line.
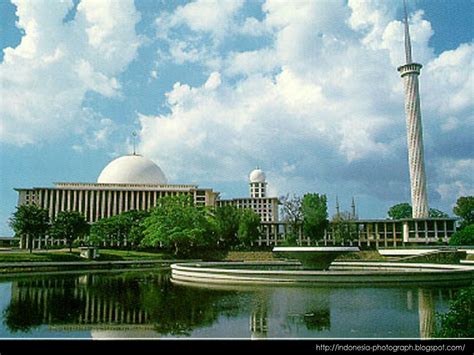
<point x="307" y="90"/>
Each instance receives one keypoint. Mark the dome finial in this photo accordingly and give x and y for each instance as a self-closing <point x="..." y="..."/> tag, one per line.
<point x="134" y="139"/>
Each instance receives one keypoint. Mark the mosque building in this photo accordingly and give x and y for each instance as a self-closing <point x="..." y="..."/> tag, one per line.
<point x="266" y="207"/>
<point x="130" y="182"/>
<point x="133" y="182"/>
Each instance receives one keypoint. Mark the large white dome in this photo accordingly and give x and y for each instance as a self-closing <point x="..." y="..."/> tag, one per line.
<point x="132" y="169"/>
<point x="257" y="175"/>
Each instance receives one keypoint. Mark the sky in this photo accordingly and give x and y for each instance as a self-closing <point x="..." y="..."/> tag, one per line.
<point x="306" y="90"/>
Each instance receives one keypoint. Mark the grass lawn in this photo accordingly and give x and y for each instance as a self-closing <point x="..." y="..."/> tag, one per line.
<point x="470" y="257"/>
<point x="36" y="257"/>
<point x="105" y="255"/>
<point x="114" y="254"/>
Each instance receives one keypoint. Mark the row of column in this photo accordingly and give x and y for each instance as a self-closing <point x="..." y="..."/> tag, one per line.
<point x="366" y="233"/>
<point x="97" y="204"/>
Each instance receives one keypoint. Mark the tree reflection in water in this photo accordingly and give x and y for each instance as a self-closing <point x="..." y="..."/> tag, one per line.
<point x="104" y="301"/>
<point x="147" y="304"/>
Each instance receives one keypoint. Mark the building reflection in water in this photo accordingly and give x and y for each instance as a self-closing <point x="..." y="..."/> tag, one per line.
<point x="259" y="317"/>
<point x="133" y="304"/>
<point x="145" y="304"/>
<point x="426" y="313"/>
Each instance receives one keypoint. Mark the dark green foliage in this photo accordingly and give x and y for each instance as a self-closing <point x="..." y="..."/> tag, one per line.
<point x="458" y="322"/>
<point x="30" y="222"/>
<point x="400" y="211"/>
<point x="463" y="237"/>
<point x="69" y="225"/>
<point x="117" y="229"/>
<point x="343" y="227"/>
<point x="248" y="231"/>
<point x="176" y="223"/>
<point x="435" y="213"/>
<point x="404" y="210"/>
<point x="292" y="214"/>
<point x="315" y="215"/>
<point x="133" y="220"/>
<point x="465" y="209"/>
<point x="226" y="223"/>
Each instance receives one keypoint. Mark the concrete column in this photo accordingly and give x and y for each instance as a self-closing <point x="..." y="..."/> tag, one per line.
<point x="68" y="200"/>
<point x="426" y="233"/>
<point x="57" y="204"/>
<point x="109" y="203"/>
<point x="394" y="228"/>
<point x="97" y="205"/>
<point x="81" y="199"/>
<point x="114" y="204"/>
<point x="102" y="204"/>
<point x="63" y="201"/>
<point x="74" y="200"/>
<point x="406" y="232"/>
<point x="91" y="204"/>
<point x="121" y="202"/>
<point x="51" y="206"/>
<point x="126" y="201"/>
<point x="368" y="234"/>
<point x="377" y="235"/>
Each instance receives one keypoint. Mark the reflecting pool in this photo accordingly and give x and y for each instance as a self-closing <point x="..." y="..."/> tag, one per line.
<point x="144" y="304"/>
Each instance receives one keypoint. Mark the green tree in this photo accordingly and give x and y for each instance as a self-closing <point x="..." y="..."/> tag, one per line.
<point x="112" y="230"/>
<point x="435" y="213"/>
<point x="29" y="222"/>
<point x="463" y="237"/>
<point x="400" y="211"/>
<point x="292" y="214"/>
<point x="69" y="226"/>
<point x="176" y="223"/>
<point x="226" y="224"/>
<point x="315" y="215"/>
<point x="117" y="229"/>
<point x="249" y="224"/>
<point x="133" y="222"/>
<point x="100" y="231"/>
<point x="458" y="322"/>
<point x="343" y="227"/>
<point x="465" y="209"/>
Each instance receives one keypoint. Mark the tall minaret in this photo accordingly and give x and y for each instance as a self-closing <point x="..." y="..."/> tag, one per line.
<point x="409" y="72"/>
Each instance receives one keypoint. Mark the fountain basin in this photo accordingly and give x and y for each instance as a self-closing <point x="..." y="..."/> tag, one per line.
<point x="340" y="274"/>
<point x="313" y="258"/>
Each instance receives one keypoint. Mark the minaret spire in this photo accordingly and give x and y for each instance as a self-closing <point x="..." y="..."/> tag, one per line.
<point x="353" y="206"/>
<point x="416" y="160"/>
<point x="408" y="58"/>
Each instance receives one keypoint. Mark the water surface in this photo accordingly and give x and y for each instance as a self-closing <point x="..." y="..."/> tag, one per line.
<point x="146" y="304"/>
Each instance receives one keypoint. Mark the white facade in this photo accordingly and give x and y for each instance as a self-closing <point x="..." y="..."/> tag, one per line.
<point x="265" y="207"/>
<point x="96" y="201"/>
<point x="130" y="182"/>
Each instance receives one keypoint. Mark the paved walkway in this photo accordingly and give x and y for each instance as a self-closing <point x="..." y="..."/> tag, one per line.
<point x="34" y="264"/>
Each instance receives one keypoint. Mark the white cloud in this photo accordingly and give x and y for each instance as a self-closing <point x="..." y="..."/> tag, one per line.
<point x="322" y="104"/>
<point x="45" y="78"/>
<point x="213" y="16"/>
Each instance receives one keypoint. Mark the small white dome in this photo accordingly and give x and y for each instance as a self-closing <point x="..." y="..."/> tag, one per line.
<point x="132" y="169"/>
<point x="257" y="175"/>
